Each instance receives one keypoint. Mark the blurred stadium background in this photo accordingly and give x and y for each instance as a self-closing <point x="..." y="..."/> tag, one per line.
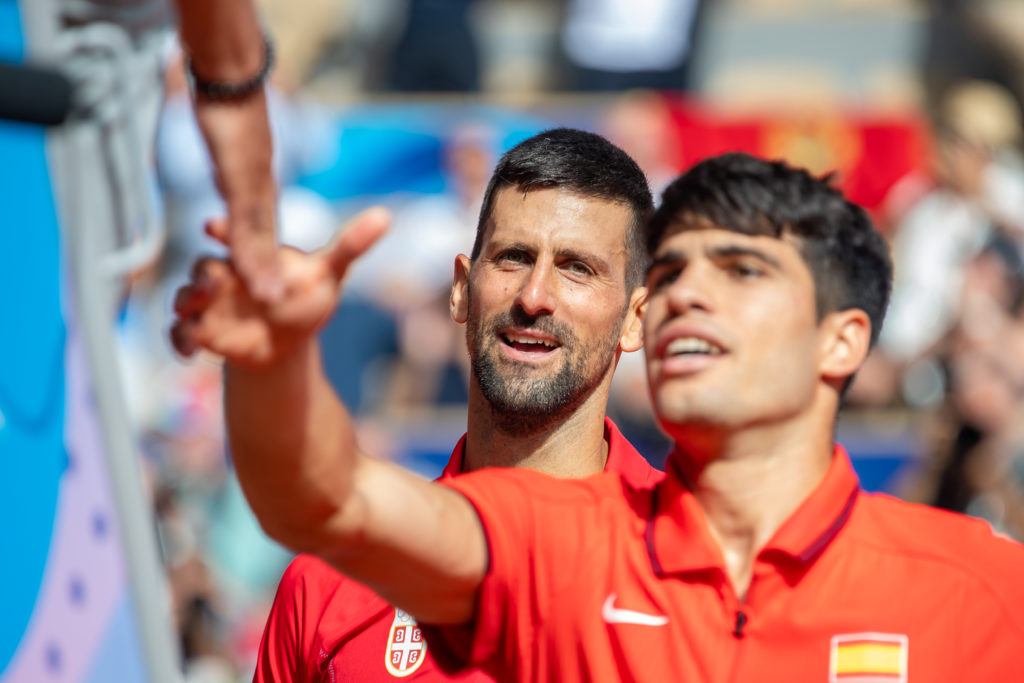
<point x="914" y="105"/>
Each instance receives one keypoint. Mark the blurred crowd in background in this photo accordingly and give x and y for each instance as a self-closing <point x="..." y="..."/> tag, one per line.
<point x="914" y="105"/>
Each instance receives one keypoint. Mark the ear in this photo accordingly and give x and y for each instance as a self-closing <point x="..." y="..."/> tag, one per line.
<point x="458" y="303"/>
<point x="632" y="337"/>
<point x="845" y="342"/>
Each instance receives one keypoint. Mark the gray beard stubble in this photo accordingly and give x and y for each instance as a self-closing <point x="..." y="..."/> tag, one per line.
<point x="529" y="406"/>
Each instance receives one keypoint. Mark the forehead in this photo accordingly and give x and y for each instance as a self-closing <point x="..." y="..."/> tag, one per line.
<point x="689" y="242"/>
<point x="552" y="217"/>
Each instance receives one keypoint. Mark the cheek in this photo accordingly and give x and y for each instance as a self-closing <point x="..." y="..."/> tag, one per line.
<point x="781" y="316"/>
<point x="489" y="293"/>
<point x="783" y="341"/>
<point x="785" y="376"/>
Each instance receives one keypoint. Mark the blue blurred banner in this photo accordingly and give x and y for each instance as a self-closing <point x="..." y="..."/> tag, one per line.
<point x="380" y="149"/>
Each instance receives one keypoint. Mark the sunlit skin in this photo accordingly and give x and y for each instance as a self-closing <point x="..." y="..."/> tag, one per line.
<point x="752" y="420"/>
<point x="552" y="269"/>
<point x="299" y="464"/>
<point x="753" y="299"/>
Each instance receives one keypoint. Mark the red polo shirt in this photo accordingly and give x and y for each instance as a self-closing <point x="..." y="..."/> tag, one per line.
<point x="630" y="585"/>
<point x="325" y="627"/>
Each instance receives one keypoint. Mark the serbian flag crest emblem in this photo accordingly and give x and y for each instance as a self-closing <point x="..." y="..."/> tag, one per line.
<point x="868" y="658"/>
<point x="406" y="649"/>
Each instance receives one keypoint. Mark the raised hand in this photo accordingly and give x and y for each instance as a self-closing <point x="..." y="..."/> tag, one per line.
<point x="219" y="312"/>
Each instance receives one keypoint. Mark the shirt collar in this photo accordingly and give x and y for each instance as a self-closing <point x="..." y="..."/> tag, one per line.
<point x="622" y="458"/>
<point x="678" y="538"/>
<point x="626" y="460"/>
<point x="454" y="466"/>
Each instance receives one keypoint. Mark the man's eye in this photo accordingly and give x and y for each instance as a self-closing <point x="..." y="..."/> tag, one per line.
<point x="660" y="280"/>
<point x="579" y="268"/>
<point x="745" y="270"/>
<point x="512" y="257"/>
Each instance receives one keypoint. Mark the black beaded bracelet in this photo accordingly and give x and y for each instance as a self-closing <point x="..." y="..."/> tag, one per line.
<point x="222" y="90"/>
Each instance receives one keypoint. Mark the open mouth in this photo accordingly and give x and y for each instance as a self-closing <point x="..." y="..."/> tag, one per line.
<point x="529" y="345"/>
<point x="692" y="346"/>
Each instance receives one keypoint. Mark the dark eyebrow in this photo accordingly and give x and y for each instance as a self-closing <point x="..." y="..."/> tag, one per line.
<point x="675" y="257"/>
<point x="733" y="250"/>
<point x="505" y="246"/>
<point x="669" y="258"/>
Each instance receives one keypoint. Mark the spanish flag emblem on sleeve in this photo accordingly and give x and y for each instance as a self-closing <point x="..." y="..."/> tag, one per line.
<point x="868" y="658"/>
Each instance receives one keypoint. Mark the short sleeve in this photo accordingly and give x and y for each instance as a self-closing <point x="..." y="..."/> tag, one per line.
<point x="533" y="525"/>
<point x="991" y="614"/>
<point x="282" y="655"/>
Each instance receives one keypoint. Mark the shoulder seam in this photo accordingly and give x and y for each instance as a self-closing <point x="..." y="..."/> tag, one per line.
<point x="974" y="575"/>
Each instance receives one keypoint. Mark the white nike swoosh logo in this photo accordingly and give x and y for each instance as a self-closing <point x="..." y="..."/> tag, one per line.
<point x="614" y="615"/>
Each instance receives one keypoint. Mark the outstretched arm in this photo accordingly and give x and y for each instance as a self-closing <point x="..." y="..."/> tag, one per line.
<point x="419" y="545"/>
<point x="225" y="43"/>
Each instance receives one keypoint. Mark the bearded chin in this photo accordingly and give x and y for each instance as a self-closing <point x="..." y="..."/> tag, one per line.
<point x="532" y="397"/>
<point x="523" y="405"/>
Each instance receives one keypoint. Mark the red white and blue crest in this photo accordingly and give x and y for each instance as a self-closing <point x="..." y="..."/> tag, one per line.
<point x="406" y="649"/>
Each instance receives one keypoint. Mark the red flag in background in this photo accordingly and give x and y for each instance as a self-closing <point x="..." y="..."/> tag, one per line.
<point x="869" y="151"/>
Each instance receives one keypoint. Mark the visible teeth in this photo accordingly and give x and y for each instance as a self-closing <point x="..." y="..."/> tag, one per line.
<point x="516" y="339"/>
<point x="691" y="345"/>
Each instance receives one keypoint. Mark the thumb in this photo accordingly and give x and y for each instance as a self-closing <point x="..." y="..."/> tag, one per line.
<point x="356" y="238"/>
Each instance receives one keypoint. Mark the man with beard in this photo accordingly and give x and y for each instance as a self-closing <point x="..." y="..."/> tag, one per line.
<point x="550" y="297"/>
<point x="758" y="558"/>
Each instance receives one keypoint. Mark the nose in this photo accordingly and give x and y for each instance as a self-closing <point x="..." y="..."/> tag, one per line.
<point x="536" y="296"/>
<point x="691" y="290"/>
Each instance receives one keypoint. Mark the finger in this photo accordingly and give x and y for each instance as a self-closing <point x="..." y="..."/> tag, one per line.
<point x="191" y="300"/>
<point x="217" y="228"/>
<point x="182" y="336"/>
<point x="356" y="238"/>
<point x="211" y="273"/>
<point x="207" y="268"/>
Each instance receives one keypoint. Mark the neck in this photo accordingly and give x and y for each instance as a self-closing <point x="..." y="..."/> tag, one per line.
<point x="571" y="445"/>
<point x="749" y="482"/>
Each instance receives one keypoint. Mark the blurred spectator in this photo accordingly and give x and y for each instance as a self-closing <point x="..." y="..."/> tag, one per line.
<point x="640" y="122"/>
<point x="409" y="275"/>
<point x="981" y="463"/>
<point x="1002" y="24"/>
<point x="301" y="39"/>
<point x="954" y="337"/>
<point x="221" y="566"/>
<point x="977" y="195"/>
<point x="415" y="259"/>
<point x="433" y="365"/>
<point x="964" y="40"/>
<point x="184" y="446"/>
<point x="201" y="624"/>
<point x="623" y="44"/>
<point x="436" y="50"/>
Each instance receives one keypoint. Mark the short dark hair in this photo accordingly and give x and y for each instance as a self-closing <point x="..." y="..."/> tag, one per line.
<point x="848" y="259"/>
<point x="582" y="163"/>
